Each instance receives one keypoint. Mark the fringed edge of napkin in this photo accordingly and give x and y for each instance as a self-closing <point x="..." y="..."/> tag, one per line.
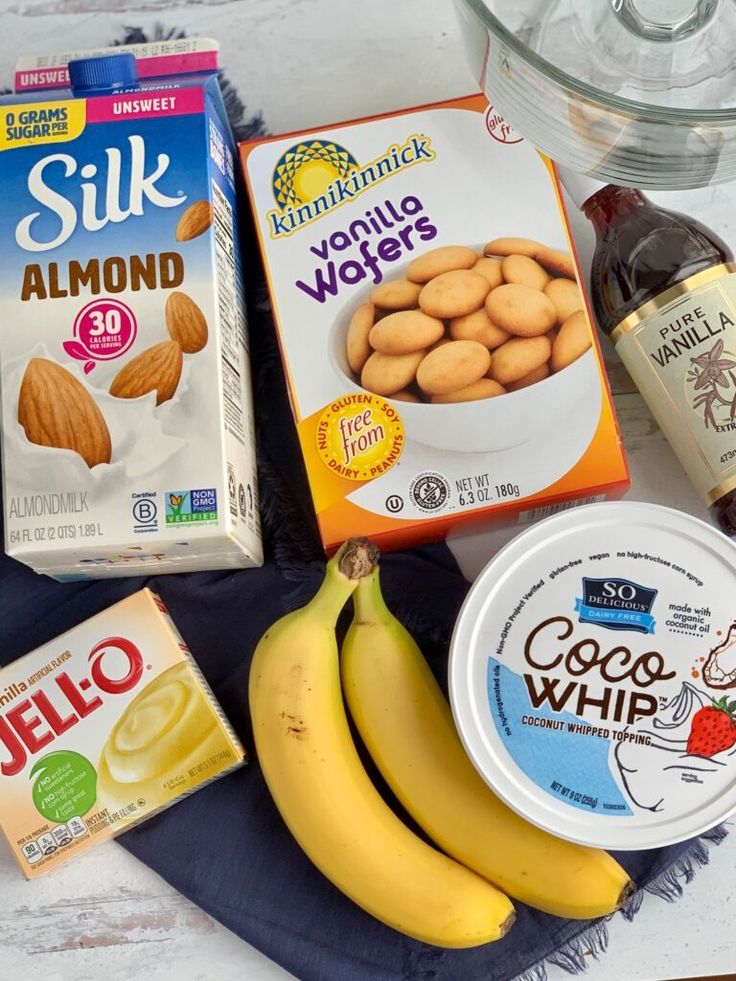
<point x="574" y="957"/>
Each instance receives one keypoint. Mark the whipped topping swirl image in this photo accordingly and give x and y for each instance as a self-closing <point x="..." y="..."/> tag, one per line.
<point x="690" y="739"/>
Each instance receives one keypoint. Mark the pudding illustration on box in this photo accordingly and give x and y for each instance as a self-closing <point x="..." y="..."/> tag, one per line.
<point x="437" y="346"/>
<point x="128" y="437"/>
<point x="602" y="668"/>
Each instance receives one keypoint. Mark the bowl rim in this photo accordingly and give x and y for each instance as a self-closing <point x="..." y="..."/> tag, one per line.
<point x="644" y="111"/>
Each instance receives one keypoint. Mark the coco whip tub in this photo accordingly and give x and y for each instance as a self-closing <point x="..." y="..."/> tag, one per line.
<point x="593" y="675"/>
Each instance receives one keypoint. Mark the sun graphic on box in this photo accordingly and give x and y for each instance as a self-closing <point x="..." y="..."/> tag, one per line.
<point x="306" y="170"/>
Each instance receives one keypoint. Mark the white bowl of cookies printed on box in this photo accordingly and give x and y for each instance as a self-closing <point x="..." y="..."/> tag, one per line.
<point x="481" y="348"/>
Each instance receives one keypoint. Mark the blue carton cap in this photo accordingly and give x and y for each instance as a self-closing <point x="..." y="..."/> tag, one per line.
<point x="108" y="73"/>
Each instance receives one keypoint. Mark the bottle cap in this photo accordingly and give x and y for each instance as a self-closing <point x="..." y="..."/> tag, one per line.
<point x="108" y="73"/>
<point x="580" y="187"/>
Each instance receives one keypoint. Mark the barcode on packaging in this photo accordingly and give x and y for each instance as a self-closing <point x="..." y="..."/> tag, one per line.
<point x="536" y="514"/>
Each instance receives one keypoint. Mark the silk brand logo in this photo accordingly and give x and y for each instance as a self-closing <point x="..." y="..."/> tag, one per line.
<point x="105" y="198"/>
<point x="35" y="722"/>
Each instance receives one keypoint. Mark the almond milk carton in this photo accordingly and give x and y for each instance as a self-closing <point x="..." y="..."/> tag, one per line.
<point x="127" y="429"/>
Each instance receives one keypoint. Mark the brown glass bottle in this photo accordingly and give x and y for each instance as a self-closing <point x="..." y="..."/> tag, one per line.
<point x="662" y="285"/>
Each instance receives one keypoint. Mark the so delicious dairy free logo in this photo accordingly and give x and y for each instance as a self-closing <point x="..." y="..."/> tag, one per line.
<point x="314" y="177"/>
<point x="617" y="604"/>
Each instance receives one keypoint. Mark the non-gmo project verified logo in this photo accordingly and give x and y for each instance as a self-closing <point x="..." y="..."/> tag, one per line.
<point x="617" y="604"/>
<point x="191" y="506"/>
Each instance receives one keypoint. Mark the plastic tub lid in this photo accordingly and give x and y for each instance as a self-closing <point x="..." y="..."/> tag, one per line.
<point x="593" y="675"/>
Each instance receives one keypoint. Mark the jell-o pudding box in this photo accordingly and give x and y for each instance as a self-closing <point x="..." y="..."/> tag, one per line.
<point x="127" y="426"/>
<point x="434" y="329"/>
<point x="101" y="728"/>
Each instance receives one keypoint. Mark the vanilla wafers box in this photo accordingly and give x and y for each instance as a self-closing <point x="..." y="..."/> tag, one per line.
<point x="434" y="329"/>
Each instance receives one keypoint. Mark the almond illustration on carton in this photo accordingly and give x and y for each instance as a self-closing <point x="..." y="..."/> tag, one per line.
<point x="56" y="410"/>
<point x="158" y="369"/>
<point x="195" y="221"/>
<point x="186" y="323"/>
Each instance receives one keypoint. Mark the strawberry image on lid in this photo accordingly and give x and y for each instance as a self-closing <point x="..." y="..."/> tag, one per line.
<point x="713" y="729"/>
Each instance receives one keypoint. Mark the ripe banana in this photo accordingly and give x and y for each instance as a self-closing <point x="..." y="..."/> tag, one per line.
<point x="325" y="796"/>
<point x="407" y="726"/>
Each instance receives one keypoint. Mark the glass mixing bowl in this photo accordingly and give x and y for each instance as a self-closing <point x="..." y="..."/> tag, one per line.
<point x="634" y="92"/>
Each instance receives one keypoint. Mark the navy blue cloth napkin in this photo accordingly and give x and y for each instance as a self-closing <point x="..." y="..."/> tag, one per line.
<point x="226" y="847"/>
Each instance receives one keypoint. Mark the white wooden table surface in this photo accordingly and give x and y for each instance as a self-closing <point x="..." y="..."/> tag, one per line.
<point x="306" y="62"/>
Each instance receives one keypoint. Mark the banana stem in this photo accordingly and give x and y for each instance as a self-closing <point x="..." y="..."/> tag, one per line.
<point x="370" y="606"/>
<point x="355" y="559"/>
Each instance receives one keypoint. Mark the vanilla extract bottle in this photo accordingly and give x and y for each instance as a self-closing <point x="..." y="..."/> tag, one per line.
<point x="663" y="286"/>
